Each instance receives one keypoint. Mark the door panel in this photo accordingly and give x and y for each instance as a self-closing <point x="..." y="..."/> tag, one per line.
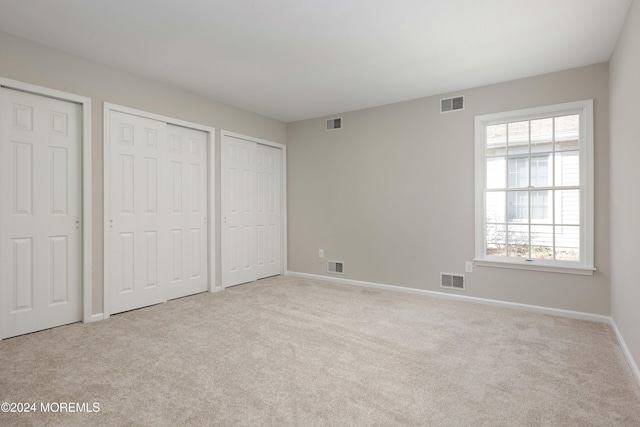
<point x="251" y="210"/>
<point x="268" y="241"/>
<point x="137" y="202"/>
<point x="238" y="222"/>
<point x="40" y="213"/>
<point x="188" y="214"/>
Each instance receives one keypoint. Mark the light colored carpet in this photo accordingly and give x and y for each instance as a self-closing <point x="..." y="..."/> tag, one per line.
<point x="291" y="351"/>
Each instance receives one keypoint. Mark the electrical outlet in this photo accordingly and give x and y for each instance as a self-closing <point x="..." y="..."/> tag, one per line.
<point x="468" y="267"/>
<point x="320" y="253"/>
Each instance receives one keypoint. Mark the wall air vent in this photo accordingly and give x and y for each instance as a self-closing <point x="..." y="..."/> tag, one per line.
<point x="452" y="281"/>
<point x="334" y="124"/>
<point x="449" y="105"/>
<point x="336" y="267"/>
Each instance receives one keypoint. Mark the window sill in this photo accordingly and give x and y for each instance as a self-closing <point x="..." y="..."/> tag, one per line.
<point x="526" y="265"/>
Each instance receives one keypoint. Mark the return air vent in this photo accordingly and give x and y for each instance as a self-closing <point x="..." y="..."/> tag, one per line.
<point x="449" y="105"/>
<point x="334" y="124"/>
<point x="452" y="281"/>
<point x="336" y="267"/>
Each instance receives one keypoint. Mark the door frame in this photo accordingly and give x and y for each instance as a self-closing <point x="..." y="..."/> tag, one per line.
<point x="211" y="206"/>
<point x="283" y="202"/>
<point x="86" y="264"/>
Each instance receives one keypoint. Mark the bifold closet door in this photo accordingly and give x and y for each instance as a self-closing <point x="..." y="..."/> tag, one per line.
<point x="138" y="253"/>
<point x="251" y="211"/>
<point x="187" y="216"/>
<point x="40" y="212"/>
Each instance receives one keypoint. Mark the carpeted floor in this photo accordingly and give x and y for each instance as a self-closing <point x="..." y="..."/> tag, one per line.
<point x="291" y="351"/>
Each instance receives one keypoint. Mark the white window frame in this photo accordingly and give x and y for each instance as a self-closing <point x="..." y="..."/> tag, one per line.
<point x="586" y="264"/>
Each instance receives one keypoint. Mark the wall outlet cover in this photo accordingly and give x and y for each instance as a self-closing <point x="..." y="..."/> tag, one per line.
<point x="468" y="266"/>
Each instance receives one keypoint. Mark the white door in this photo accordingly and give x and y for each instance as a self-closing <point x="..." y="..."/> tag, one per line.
<point x="268" y="206"/>
<point x="138" y="199"/>
<point x="187" y="215"/>
<point x="40" y="212"/>
<point x="251" y="211"/>
<point x="238" y="215"/>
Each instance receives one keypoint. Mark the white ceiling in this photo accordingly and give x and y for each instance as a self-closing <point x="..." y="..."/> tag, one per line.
<point x="298" y="59"/>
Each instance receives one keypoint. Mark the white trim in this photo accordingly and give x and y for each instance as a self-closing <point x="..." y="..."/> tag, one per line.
<point x="105" y="212"/>
<point x="519" y="265"/>
<point x="211" y="222"/>
<point x="261" y="141"/>
<point x="587" y="172"/>
<point x="283" y="209"/>
<point x="497" y="303"/>
<point x="96" y="318"/>
<point x="211" y="215"/>
<point x="86" y="173"/>
<point x="627" y="353"/>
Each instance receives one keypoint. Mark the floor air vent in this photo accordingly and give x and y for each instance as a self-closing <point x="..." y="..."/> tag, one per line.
<point x="334" y="124"/>
<point x="336" y="267"/>
<point x="452" y="281"/>
<point x="449" y="105"/>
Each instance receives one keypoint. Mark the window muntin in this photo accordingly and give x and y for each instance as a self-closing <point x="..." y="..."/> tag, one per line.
<point x="534" y="186"/>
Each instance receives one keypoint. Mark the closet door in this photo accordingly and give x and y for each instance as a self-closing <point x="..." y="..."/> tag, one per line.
<point x="251" y="210"/>
<point x="238" y="211"/>
<point x="138" y="255"/>
<point x="187" y="216"/>
<point x="268" y="206"/>
<point x="40" y="212"/>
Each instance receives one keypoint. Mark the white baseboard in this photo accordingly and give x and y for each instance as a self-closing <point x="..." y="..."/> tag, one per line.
<point x="627" y="353"/>
<point x="95" y="318"/>
<point x="533" y="308"/>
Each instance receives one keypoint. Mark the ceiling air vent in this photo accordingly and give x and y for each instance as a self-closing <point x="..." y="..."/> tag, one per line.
<point x="449" y="105"/>
<point x="452" y="281"/>
<point x="336" y="267"/>
<point x="334" y="124"/>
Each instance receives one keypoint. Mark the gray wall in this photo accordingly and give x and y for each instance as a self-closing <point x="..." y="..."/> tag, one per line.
<point x="392" y="194"/>
<point x="37" y="64"/>
<point x="625" y="177"/>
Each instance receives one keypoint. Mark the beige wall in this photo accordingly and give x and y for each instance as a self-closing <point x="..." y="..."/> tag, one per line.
<point x="36" y="64"/>
<point x="625" y="177"/>
<point x="392" y="194"/>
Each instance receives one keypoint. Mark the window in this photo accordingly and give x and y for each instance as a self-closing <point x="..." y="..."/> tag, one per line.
<point x="534" y="188"/>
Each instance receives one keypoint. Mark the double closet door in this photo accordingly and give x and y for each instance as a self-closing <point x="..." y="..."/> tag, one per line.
<point x="157" y="225"/>
<point x="251" y="211"/>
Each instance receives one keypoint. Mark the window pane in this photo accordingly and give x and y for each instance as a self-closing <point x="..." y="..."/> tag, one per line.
<point x="496" y="172"/>
<point x="542" y="241"/>
<point x="567" y="207"/>
<point x="567" y="169"/>
<point x="518" y="138"/>
<point x="541" y="207"/>
<point x="496" y="140"/>
<point x="518" y="172"/>
<point x="541" y="171"/>
<point x="518" y="241"/>
<point x="567" y="132"/>
<point x="497" y="240"/>
<point x="496" y="207"/>
<point x="542" y="135"/>
<point x="518" y="207"/>
<point x="534" y="184"/>
<point x="568" y="243"/>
